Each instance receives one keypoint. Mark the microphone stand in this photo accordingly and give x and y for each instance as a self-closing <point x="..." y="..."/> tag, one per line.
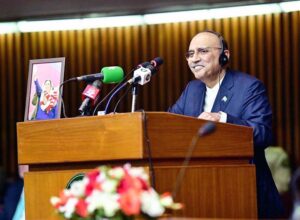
<point x="134" y="96"/>
<point x="84" y="108"/>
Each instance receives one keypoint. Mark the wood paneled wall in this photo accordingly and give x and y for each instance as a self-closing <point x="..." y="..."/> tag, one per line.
<point x="266" y="46"/>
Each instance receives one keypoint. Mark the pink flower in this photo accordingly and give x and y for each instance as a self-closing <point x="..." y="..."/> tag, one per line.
<point x="93" y="175"/>
<point x="81" y="208"/>
<point x="130" y="202"/>
<point x="92" y="184"/>
<point x="63" y="199"/>
<point x="129" y="182"/>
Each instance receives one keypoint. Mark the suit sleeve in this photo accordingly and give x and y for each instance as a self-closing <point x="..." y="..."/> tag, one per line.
<point x="178" y="107"/>
<point x="256" y="113"/>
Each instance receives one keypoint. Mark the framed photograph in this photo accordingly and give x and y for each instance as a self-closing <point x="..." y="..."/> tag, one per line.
<point x="43" y="99"/>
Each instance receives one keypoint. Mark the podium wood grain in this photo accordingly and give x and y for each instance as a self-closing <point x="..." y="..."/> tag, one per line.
<point x="219" y="182"/>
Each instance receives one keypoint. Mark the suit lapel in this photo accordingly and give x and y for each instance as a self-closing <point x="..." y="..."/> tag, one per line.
<point x="198" y="100"/>
<point x="224" y="95"/>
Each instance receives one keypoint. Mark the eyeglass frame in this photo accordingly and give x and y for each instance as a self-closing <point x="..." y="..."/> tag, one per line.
<point x="200" y="50"/>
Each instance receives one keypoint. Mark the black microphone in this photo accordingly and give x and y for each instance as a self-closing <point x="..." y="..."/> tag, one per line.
<point x="205" y="129"/>
<point x="208" y="128"/>
<point x="143" y="73"/>
<point x="90" y="96"/>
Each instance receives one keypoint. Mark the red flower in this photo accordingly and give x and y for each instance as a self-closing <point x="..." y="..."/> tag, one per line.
<point x="93" y="175"/>
<point x="81" y="208"/>
<point x="130" y="202"/>
<point x="92" y="184"/>
<point x="63" y="199"/>
<point x="129" y="182"/>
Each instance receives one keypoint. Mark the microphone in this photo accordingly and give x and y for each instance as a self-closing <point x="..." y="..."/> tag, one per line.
<point x="90" y="96"/>
<point x="143" y="73"/>
<point x="111" y="74"/>
<point x="208" y="128"/>
<point x="204" y="130"/>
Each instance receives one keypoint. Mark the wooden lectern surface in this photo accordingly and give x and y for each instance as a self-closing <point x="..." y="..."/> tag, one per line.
<point x="123" y="136"/>
<point x="219" y="182"/>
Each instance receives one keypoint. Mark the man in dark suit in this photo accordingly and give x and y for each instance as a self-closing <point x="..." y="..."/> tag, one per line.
<point x="223" y="95"/>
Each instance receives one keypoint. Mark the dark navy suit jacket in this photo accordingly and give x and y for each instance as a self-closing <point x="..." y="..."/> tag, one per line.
<point x="243" y="98"/>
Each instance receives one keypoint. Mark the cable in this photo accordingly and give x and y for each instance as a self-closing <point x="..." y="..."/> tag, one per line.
<point x="115" y="87"/>
<point x="112" y="95"/>
<point x="125" y="94"/>
<point x="60" y="95"/>
<point x="150" y="161"/>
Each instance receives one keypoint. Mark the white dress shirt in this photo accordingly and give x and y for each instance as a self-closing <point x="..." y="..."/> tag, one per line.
<point x="210" y="96"/>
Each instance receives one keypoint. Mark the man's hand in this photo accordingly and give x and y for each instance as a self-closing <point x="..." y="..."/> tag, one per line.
<point x="211" y="116"/>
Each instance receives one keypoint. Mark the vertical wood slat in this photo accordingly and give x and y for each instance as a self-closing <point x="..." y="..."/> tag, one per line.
<point x="266" y="46"/>
<point x="278" y="78"/>
<point x="295" y="20"/>
<point x="287" y="80"/>
<point x="11" y="91"/>
<point x="3" y="98"/>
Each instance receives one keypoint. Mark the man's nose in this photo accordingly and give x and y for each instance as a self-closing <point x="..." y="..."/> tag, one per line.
<point x="196" y="57"/>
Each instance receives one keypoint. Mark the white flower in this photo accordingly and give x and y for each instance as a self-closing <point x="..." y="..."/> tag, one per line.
<point x="94" y="201"/>
<point x="117" y="172"/>
<point x="101" y="200"/>
<point x="109" y="185"/>
<point x="138" y="172"/>
<point x="69" y="208"/>
<point x="78" y="188"/>
<point x="54" y="200"/>
<point x="166" y="201"/>
<point x="151" y="204"/>
<point x="111" y="204"/>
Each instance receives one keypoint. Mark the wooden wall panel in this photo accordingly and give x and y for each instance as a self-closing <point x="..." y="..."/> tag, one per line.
<point x="265" y="46"/>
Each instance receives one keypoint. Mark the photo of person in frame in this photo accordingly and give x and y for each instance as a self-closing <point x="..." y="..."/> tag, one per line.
<point x="43" y="101"/>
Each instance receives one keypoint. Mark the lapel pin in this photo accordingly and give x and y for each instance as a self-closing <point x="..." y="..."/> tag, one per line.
<point x="224" y="99"/>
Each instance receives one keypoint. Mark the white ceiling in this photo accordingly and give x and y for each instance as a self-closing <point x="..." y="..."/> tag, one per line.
<point x="13" y="10"/>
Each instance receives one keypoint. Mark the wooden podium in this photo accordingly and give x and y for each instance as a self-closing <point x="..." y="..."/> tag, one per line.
<point x="219" y="181"/>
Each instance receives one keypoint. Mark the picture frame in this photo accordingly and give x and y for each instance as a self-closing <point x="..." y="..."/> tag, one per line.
<point x="43" y="98"/>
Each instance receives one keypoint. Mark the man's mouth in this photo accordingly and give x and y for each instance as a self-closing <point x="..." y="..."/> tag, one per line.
<point x="197" y="67"/>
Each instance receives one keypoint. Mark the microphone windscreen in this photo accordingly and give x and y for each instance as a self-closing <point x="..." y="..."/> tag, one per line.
<point x="157" y="61"/>
<point x="112" y="74"/>
<point x="92" y="91"/>
<point x="144" y="64"/>
<point x="207" y="128"/>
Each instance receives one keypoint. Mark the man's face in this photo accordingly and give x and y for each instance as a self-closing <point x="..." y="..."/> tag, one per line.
<point x="203" y="56"/>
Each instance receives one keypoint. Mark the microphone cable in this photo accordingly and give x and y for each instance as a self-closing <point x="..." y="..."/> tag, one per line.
<point x="150" y="160"/>
<point x="120" y="99"/>
<point x="113" y="90"/>
<point x="61" y="96"/>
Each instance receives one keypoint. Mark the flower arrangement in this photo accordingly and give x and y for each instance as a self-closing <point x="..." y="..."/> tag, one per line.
<point x="112" y="193"/>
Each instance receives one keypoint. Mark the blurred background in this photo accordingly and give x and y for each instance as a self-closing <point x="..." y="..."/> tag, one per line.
<point x="263" y="41"/>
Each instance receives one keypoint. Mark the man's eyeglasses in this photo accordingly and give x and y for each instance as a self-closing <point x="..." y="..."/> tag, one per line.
<point x="202" y="51"/>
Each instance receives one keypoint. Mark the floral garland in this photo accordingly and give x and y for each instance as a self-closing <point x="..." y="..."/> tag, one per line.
<point x="113" y="193"/>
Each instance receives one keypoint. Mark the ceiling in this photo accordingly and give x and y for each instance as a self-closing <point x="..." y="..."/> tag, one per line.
<point x="14" y="10"/>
